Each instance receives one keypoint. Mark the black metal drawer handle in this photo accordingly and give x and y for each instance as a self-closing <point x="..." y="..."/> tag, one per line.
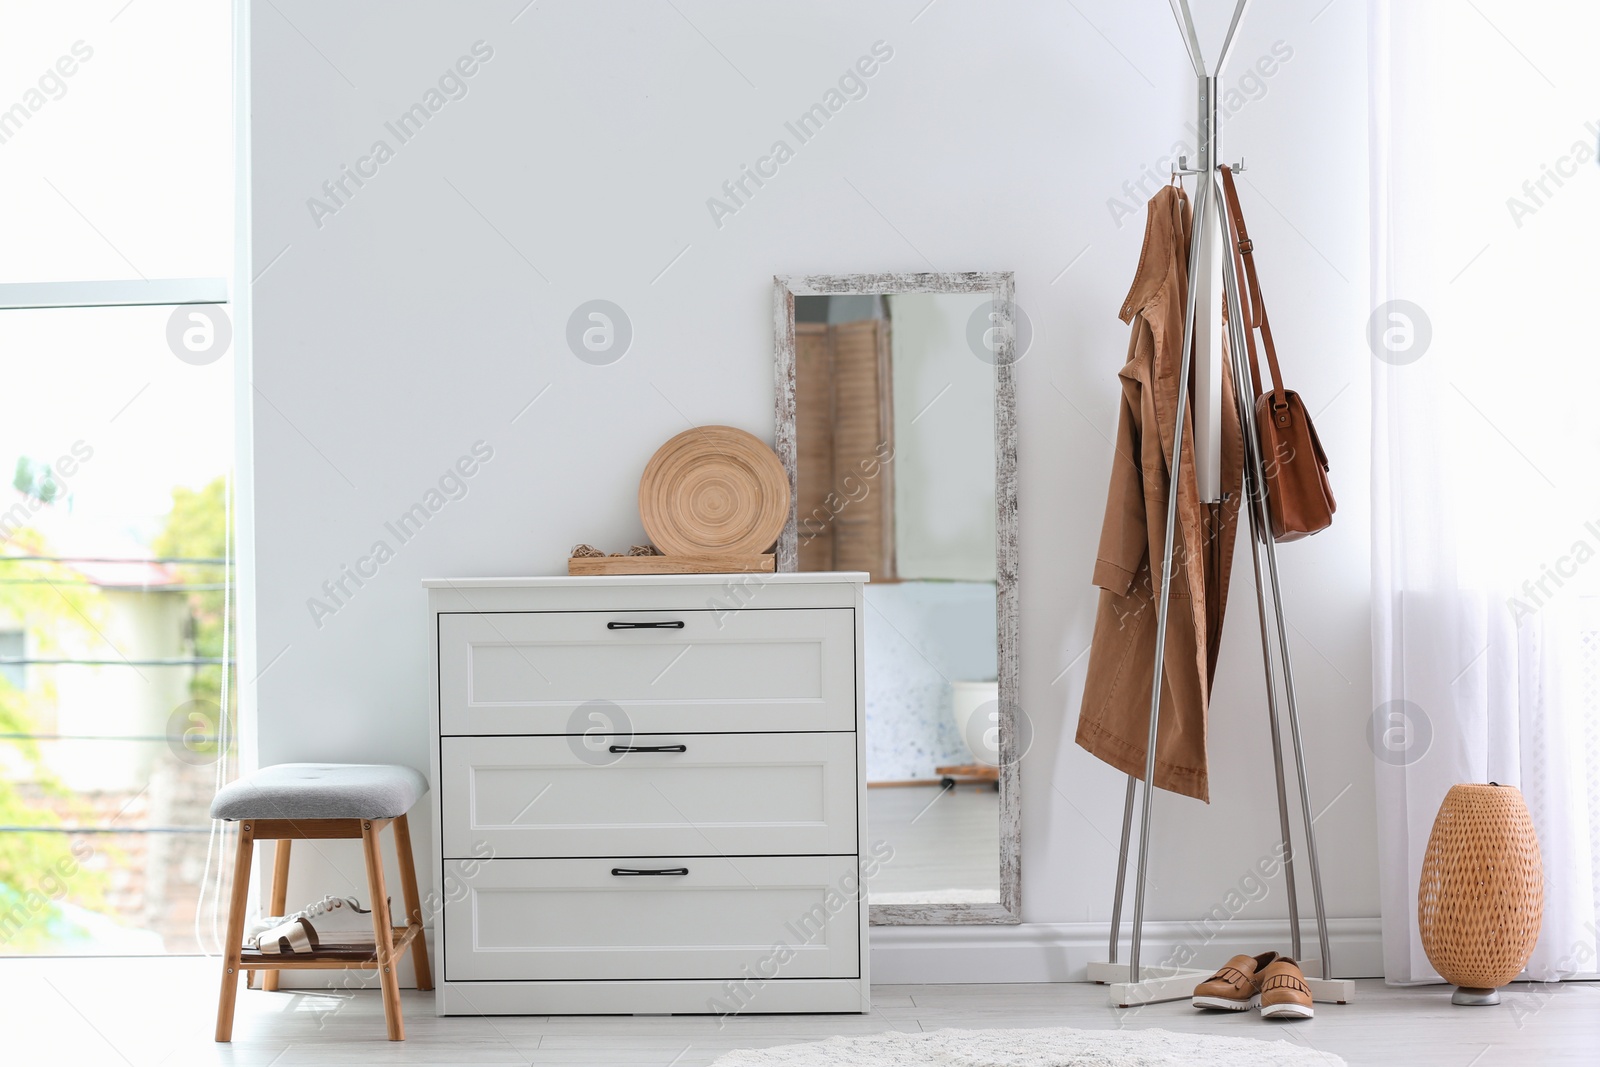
<point x="677" y="624"/>
<point x="649" y="748"/>
<point x="630" y="873"/>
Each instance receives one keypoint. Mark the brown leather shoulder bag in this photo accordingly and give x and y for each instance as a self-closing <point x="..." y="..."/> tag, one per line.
<point x="1299" y="499"/>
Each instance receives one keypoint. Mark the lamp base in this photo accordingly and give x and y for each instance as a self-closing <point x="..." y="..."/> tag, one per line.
<point x="1466" y="995"/>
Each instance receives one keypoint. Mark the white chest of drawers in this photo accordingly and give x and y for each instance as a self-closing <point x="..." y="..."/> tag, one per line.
<point x="649" y="794"/>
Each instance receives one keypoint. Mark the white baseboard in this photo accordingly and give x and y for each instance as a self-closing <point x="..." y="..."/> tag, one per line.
<point x="1032" y="952"/>
<point x="1061" y="952"/>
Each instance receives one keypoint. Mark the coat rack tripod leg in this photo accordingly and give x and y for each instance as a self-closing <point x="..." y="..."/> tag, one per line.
<point x="1122" y="870"/>
<point x="1206" y="146"/>
<point x="1299" y="762"/>
<point x="1204" y="199"/>
<point x="1323" y="987"/>
<point x="1255" y="500"/>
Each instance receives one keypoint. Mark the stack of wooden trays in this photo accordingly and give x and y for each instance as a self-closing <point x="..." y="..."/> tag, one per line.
<point x="713" y="500"/>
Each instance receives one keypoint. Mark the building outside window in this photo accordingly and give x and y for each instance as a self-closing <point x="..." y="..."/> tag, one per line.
<point x="116" y="468"/>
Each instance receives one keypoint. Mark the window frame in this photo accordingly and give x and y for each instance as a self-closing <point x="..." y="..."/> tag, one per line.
<point x="118" y="292"/>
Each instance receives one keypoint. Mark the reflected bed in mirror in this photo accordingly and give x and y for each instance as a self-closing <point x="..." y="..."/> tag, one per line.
<point x="896" y="423"/>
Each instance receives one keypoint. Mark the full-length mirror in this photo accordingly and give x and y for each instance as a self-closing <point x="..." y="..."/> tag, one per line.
<point x="896" y="421"/>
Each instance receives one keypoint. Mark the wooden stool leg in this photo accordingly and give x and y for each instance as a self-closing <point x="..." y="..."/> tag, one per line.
<point x="408" y="888"/>
<point x="388" y="973"/>
<point x="233" y="946"/>
<point x="280" y="896"/>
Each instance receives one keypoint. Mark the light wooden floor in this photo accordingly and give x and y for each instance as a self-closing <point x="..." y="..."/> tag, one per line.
<point x="946" y="843"/>
<point x="160" y="1011"/>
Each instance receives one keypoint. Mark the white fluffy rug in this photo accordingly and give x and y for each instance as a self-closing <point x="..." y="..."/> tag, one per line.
<point x="1053" y="1047"/>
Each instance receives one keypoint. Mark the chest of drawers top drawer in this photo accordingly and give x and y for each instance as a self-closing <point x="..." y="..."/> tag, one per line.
<point x="627" y="671"/>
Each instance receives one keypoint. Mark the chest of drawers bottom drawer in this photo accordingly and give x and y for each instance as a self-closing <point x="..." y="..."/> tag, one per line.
<point x="689" y="917"/>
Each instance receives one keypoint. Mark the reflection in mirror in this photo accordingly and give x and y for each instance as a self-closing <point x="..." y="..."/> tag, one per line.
<point x="895" y="461"/>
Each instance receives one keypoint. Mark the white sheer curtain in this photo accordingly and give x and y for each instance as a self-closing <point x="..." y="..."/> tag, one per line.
<point x="1486" y="440"/>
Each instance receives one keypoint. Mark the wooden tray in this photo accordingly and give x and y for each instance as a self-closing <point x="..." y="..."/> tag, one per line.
<point x="708" y="563"/>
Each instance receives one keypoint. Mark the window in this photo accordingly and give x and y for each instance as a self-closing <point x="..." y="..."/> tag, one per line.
<point x="115" y="129"/>
<point x="116" y="442"/>
<point x="1484" y="437"/>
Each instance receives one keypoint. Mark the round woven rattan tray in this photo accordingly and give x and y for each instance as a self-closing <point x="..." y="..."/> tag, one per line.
<point x="714" y="489"/>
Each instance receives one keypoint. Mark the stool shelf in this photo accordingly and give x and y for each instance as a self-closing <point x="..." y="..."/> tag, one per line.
<point x="341" y="957"/>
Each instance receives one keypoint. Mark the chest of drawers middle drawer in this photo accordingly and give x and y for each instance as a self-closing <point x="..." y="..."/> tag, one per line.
<point x="695" y="794"/>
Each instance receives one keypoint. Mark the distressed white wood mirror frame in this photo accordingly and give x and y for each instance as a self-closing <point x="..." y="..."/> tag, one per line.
<point x="1001" y="287"/>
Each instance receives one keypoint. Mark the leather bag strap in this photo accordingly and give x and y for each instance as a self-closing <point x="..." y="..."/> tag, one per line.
<point x="1246" y="306"/>
<point x="1256" y="312"/>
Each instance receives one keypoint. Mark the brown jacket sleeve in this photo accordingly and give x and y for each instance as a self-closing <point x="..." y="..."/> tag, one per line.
<point x="1123" y="534"/>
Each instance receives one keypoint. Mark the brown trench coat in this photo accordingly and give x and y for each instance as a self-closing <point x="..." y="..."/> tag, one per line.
<point x="1115" y="721"/>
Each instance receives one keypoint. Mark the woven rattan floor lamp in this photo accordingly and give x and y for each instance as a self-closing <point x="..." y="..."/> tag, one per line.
<point x="1482" y="893"/>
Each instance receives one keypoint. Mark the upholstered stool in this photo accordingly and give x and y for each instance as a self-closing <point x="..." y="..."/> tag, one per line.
<point x="323" y="801"/>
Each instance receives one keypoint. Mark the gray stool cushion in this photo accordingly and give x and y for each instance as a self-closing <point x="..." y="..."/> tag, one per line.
<point x="321" y="791"/>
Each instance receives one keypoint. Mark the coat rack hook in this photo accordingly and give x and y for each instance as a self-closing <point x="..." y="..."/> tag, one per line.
<point x="1183" y="169"/>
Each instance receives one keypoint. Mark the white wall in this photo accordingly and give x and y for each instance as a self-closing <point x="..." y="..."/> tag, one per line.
<point x="431" y="309"/>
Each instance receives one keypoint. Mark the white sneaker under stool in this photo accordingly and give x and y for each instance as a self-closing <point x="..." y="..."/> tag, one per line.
<point x="332" y="922"/>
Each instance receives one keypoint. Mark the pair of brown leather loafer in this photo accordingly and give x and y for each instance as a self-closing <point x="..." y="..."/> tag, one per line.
<point x="1269" y="981"/>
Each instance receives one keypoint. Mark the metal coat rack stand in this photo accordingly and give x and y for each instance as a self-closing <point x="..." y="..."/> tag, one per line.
<point x="1132" y="984"/>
